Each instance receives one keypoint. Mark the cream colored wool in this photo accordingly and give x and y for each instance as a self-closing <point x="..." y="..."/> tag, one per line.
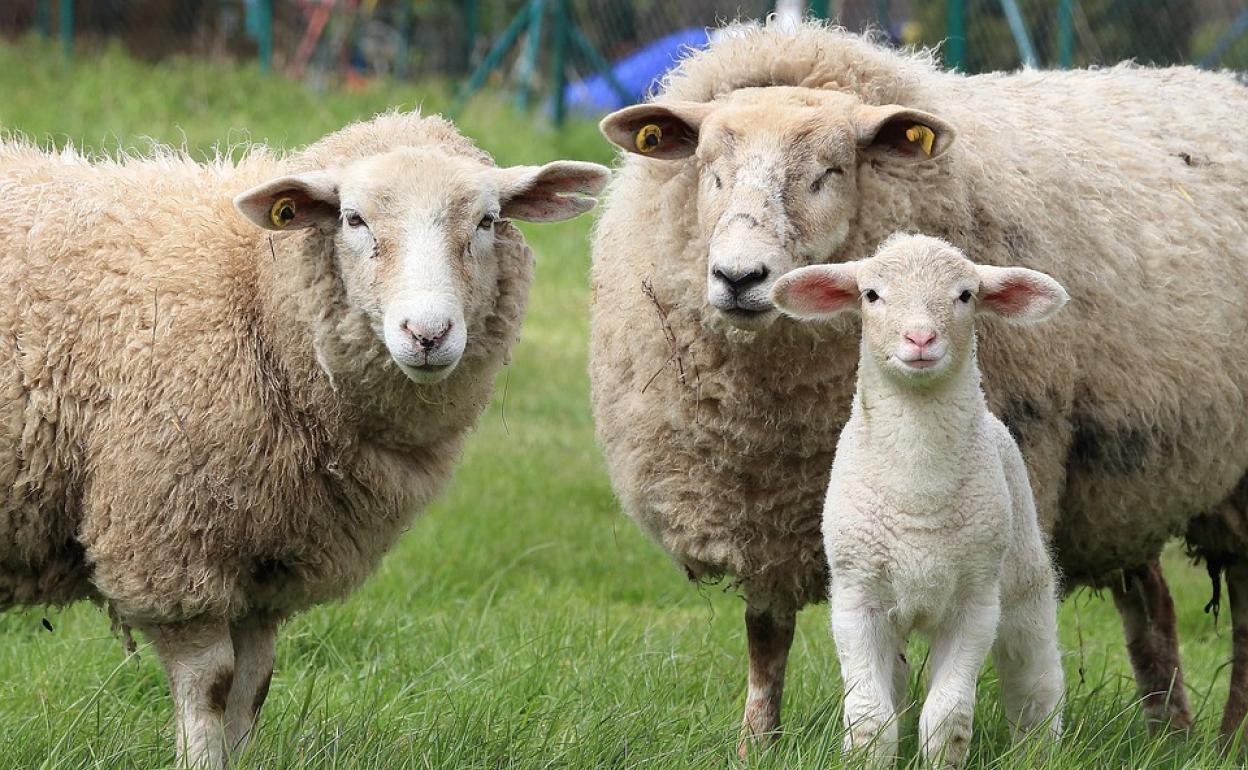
<point x="200" y="422"/>
<point x="166" y="412"/>
<point x="1125" y="184"/>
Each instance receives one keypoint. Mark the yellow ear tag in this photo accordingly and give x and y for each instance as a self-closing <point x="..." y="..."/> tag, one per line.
<point x="283" y="212"/>
<point x="923" y="135"/>
<point x="649" y="138"/>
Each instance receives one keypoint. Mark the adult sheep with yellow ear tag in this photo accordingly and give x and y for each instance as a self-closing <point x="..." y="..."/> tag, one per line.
<point x="781" y="148"/>
<point x="218" y="414"/>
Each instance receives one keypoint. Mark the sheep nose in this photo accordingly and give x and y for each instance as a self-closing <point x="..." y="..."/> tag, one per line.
<point x="920" y="337"/>
<point x="427" y="338"/>
<point x="739" y="280"/>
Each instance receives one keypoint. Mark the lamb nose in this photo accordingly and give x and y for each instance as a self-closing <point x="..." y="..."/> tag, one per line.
<point x="739" y="281"/>
<point x="921" y="337"/>
<point x="426" y="339"/>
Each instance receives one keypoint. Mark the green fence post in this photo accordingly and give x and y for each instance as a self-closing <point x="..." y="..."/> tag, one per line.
<point x="528" y="64"/>
<point x="881" y="14"/>
<point x="43" y="18"/>
<point x="67" y="27"/>
<point x="955" y="35"/>
<point x="1065" y="33"/>
<point x="493" y="59"/>
<point x="818" y="9"/>
<point x="470" y="31"/>
<point x="563" y="18"/>
<point x="264" y="34"/>
<point x="599" y="63"/>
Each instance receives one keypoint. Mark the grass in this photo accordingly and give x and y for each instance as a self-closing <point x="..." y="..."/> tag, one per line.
<point x="523" y="622"/>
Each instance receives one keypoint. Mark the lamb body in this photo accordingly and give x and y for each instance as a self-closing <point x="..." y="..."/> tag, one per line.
<point x="211" y="427"/>
<point x="929" y="522"/>
<point x="1121" y="183"/>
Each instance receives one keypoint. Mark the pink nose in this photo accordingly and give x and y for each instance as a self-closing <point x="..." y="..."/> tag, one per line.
<point x="920" y="337"/>
<point x="425" y="338"/>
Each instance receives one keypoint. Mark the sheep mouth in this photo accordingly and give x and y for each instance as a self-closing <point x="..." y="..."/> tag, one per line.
<point x="749" y="318"/>
<point x="919" y="366"/>
<point x="427" y="373"/>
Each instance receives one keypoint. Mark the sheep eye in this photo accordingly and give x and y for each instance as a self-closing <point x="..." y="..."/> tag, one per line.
<point x="354" y="219"/>
<point x="817" y="185"/>
<point x="718" y="182"/>
<point x="871" y="295"/>
<point x="487" y="221"/>
<point x="965" y="296"/>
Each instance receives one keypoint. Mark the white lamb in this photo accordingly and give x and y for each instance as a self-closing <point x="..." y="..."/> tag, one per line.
<point x="929" y="522"/>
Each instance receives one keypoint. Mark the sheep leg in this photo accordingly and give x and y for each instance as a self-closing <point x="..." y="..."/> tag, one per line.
<point x="1029" y="663"/>
<point x="769" y="634"/>
<point x="1236" y="576"/>
<point x="198" y="657"/>
<point x="1148" y="624"/>
<point x="959" y="649"/>
<point x="870" y="652"/>
<point x="254" y="640"/>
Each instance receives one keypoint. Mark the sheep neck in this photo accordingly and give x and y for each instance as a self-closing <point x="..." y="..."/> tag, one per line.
<point x="926" y="426"/>
<point x="303" y="319"/>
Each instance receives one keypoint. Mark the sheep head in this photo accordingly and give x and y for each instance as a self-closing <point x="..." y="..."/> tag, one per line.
<point x="918" y="297"/>
<point x="414" y="236"/>
<point x="778" y="176"/>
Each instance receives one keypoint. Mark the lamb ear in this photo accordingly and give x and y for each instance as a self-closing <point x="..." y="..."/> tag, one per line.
<point x="1019" y="294"/>
<point x="664" y="131"/>
<point x="818" y="291"/>
<point x="550" y="193"/>
<point x="291" y="202"/>
<point x="901" y="134"/>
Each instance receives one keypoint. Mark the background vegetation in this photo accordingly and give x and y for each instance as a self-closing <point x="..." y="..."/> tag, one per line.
<point x="523" y="622"/>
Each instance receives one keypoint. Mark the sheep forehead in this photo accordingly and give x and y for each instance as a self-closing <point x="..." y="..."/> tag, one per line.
<point x="777" y="119"/>
<point x="410" y="181"/>
<point x="920" y="267"/>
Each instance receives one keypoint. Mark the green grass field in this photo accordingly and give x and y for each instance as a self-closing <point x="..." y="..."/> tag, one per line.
<point x="524" y="622"/>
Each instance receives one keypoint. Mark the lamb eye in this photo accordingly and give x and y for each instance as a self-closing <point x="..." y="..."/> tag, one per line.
<point x="718" y="182"/>
<point x="871" y="295"/>
<point x="354" y="219"/>
<point x="487" y="221"/>
<point x="965" y="296"/>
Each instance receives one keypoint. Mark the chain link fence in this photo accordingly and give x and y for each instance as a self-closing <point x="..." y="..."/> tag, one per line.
<point x="635" y="39"/>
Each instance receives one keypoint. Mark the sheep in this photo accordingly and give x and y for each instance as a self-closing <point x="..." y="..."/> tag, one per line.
<point x="929" y="522"/>
<point x="217" y="416"/>
<point x="777" y="148"/>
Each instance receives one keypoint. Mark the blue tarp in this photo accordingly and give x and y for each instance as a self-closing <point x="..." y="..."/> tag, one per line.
<point x="638" y="73"/>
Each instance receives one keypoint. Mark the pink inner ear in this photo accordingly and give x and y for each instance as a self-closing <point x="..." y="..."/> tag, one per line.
<point x="820" y="294"/>
<point x="1011" y="298"/>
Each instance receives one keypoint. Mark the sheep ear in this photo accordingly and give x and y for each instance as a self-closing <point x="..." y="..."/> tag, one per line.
<point x="901" y="134"/>
<point x="1019" y="294"/>
<point x="664" y="131"/>
<point x="291" y="202"/>
<point x="818" y="291"/>
<point x="550" y="193"/>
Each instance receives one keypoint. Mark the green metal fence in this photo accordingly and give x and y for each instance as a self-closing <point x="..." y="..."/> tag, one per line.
<point x="539" y="45"/>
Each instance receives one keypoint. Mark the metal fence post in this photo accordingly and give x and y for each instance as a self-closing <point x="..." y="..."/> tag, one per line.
<point x="1018" y="28"/>
<point x="1065" y="33"/>
<point x="955" y="35"/>
<point x="528" y="61"/>
<point x="43" y="18"/>
<point x="818" y="9"/>
<point x="561" y="21"/>
<point x="264" y="33"/>
<point x="67" y="27"/>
